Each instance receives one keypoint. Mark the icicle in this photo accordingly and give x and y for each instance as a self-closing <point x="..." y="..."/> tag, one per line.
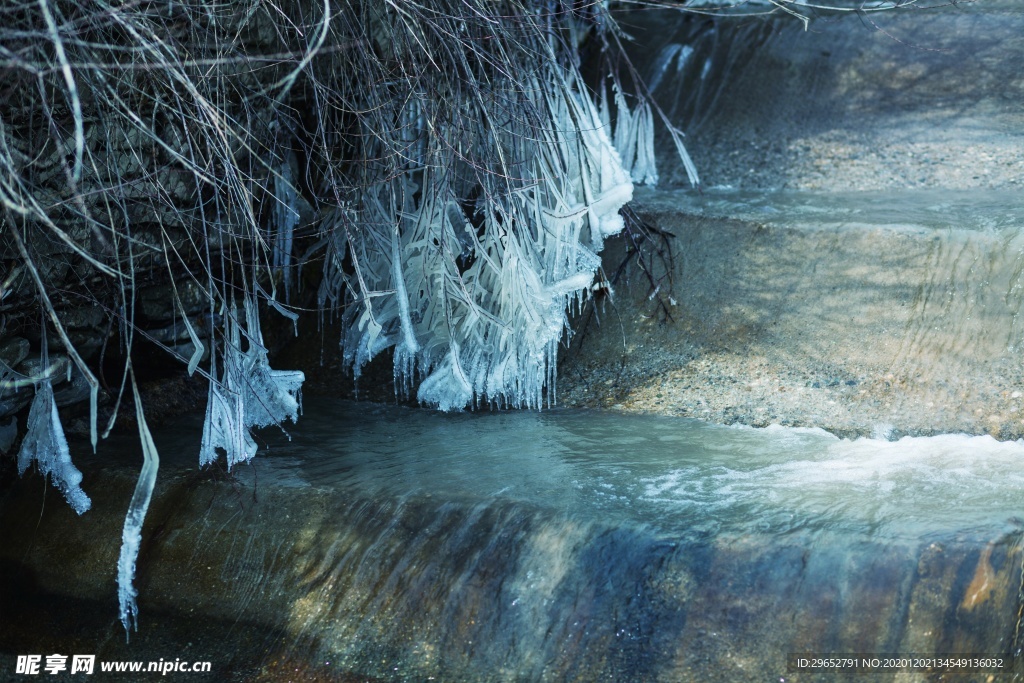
<point x="198" y="348"/>
<point x="271" y="396"/>
<point x="478" y="308"/>
<point x="625" y="131"/>
<point x="634" y="140"/>
<point x="604" y="114"/>
<point x="276" y="305"/>
<point x="286" y="217"/>
<point x="45" y="445"/>
<point x="250" y="394"/>
<point x="131" y="536"/>
<point x="570" y="284"/>
<point x="447" y="388"/>
<point x="291" y="315"/>
<point x="224" y="427"/>
<point x="684" y="156"/>
<point x="644" y="169"/>
<point x="411" y="346"/>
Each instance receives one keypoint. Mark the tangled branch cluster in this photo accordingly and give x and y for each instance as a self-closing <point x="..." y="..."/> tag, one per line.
<point x="436" y="174"/>
<point x="199" y="144"/>
<point x="167" y="168"/>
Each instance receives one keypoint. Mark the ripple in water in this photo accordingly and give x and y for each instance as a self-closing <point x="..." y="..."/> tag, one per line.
<point x="679" y="477"/>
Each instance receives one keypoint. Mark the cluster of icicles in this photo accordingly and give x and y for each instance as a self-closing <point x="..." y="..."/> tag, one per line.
<point x="473" y="301"/>
<point x="246" y="393"/>
<point x="486" y="331"/>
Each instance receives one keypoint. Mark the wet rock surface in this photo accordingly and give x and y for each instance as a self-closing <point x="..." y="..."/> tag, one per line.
<point x="857" y="329"/>
<point x="881" y="326"/>
<point x="342" y="586"/>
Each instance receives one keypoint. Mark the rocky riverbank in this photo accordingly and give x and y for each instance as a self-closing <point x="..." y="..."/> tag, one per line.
<point x="855" y="263"/>
<point x="798" y="319"/>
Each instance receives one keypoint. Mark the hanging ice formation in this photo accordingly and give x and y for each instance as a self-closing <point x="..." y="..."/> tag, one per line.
<point x="286" y="218"/>
<point x="474" y="177"/>
<point x="248" y="394"/>
<point x="474" y="301"/>
<point x="634" y="136"/>
<point x="634" y="128"/>
<point x="45" y="445"/>
<point x="131" y="534"/>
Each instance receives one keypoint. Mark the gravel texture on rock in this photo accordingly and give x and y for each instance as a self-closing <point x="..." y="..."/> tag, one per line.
<point x="875" y="321"/>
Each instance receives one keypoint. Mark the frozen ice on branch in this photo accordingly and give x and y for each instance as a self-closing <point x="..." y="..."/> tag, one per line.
<point x="436" y="174"/>
<point x="45" y="446"/>
<point x="493" y="185"/>
<point x="473" y="296"/>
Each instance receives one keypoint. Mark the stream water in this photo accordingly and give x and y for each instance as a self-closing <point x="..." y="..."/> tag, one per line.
<point x="996" y="211"/>
<point x="678" y="478"/>
<point x="393" y="544"/>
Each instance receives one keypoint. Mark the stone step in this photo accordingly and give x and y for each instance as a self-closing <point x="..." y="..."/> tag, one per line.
<point x="885" y="100"/>
<point x="854" y="261"/>
<point x="859" y="313"/>
<point x="278" y="582"/>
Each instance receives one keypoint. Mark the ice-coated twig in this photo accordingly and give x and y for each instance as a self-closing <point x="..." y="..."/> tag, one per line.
<point x="45" y="446"/>
<point x="131" y="535"/>
<point x="249" y="393"/>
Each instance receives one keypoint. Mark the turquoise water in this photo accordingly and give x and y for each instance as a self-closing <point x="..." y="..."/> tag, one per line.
<point x="679" y="477"/>
<point x="394" y="544"/>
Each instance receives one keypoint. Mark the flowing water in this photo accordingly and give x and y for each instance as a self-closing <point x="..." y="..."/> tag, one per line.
<point x="677" y="478"/>
<point x="602" y="546"/>
<point x="387" y="543"/>
<point x="997" y="211"/>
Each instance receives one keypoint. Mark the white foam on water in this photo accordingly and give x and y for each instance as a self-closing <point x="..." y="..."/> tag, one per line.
<point x="904" y="488"/>
<point x="678" y="476"/>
